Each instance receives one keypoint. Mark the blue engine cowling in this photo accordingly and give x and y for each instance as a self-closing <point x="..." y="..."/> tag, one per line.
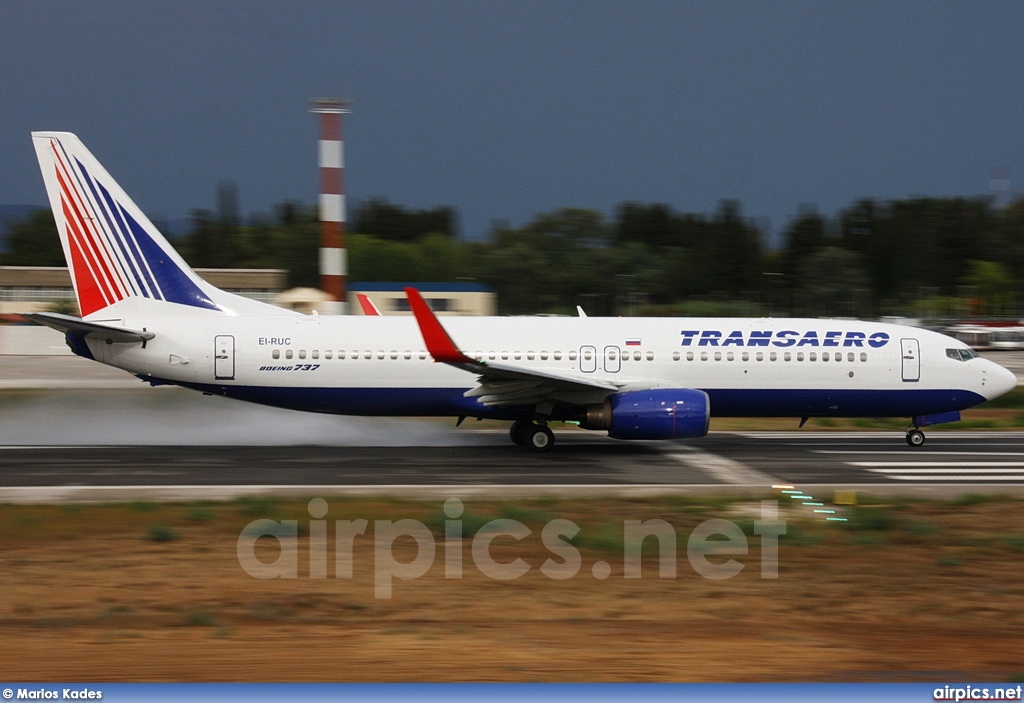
<point x="659" y="413"/>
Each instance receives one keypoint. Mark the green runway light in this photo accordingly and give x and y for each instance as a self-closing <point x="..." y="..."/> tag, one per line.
<point x="819" y="504"/>
<point x="830" y="512"/>
<point x="837" y="519"/>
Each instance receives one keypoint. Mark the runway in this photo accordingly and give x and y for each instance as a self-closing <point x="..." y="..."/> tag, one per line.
<point x="78" y="435"/>
<point x="950" y="464"/>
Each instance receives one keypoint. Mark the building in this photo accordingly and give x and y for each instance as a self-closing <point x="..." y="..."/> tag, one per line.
<point x="44" y="288"/>
<point x="443" y="298"/>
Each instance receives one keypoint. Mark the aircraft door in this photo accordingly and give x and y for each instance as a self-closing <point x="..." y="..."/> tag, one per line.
<point x="588" y="359"/>
<point x="224" y="357"/>
<point x="612" y="359"/>
<point x="911" y="353"/>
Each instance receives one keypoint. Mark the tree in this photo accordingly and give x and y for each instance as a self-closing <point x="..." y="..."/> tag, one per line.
<point x="831" y="282"/>
<point x="803" y="237"/>
<point x="993" y="287"/>
<point x="389" y="222"/>
<point x="34" y="242"/>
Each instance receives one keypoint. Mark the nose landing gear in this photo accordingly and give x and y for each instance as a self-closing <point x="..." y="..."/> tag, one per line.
<point x="915" y="437"/>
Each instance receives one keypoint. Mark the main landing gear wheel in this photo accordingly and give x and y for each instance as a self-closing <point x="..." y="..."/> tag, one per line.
<point x="518" y="431"/>
<point x="526" y="433"/>
<point x="539" y="438"/>
<point x="915" y="438"/>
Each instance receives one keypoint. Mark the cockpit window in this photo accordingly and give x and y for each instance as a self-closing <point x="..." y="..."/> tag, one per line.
<point x="962" y="354"/>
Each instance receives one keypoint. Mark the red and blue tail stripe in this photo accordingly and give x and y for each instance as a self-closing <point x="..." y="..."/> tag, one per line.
<point x="111" y="253"/>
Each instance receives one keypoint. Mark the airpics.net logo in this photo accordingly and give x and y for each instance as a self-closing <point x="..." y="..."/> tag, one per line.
<point x="710" y="547"/>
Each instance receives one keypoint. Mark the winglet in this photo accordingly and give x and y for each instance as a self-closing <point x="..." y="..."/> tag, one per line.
<point x="367" y="305"/>
<point x="439" y="344"/>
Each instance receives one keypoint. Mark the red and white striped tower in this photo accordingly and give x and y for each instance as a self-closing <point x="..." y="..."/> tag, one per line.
<point x="332" y="201"/>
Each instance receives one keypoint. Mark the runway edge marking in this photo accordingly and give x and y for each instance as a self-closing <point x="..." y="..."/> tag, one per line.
<point x="728" y="471"/>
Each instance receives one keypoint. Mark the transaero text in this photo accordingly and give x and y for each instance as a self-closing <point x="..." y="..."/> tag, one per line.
<point x="783" y="338"/>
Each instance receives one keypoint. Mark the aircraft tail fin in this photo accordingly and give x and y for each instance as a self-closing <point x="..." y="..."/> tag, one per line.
<point x="115" y="255"/>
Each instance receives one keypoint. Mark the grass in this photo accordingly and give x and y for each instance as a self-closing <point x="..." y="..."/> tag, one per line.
<point x="908" y="565"/>
<point x="161" y="533"/>
<point x="200" y="618"/>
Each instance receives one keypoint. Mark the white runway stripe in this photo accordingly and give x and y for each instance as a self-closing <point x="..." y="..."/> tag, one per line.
<point x="963" y="472"/>
<point x="918" y="452"/>
<point x="974" y="478"/>
<point x="960" y="465"/>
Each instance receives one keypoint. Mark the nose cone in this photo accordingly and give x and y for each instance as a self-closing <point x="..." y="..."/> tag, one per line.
<point x="999" y="381"/>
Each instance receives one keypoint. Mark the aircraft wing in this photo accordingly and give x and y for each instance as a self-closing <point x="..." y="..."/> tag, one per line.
<point x="503" y="384"/>
<point x="89" y="330"/>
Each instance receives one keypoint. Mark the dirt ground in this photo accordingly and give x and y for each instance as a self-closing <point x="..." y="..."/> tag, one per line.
<point x="907" y="591"/>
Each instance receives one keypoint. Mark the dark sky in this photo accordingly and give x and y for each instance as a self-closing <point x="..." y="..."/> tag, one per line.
<point x="508" y="109"/>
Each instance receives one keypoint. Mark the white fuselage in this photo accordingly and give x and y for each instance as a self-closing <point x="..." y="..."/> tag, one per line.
<point x="748" y="367"/>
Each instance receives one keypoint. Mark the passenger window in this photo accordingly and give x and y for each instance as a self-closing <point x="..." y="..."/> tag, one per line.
<point x="760" y="356"/>
<point x="287" y="353"/>
<point x="675" y="356"/>
<point x="572" y="356"/>
<point x="367" y="354"/>
<point x="718" y="356"/>
<point x="407" y="354"/>
<point x="746" y="356"/>
<point x="787" y="357"/>
<point x="813" y="356"/>
<point x="824" y="356"/>
<point x="276" y="354"/>
<point x="773" y="357"/>
<point x="850" y="356"/>
<point x="703" y="356"/>
<point x="730" y="357"/>
<point x="543" y="355"/>
<point x="650" y="356"/>
<point x="302" y="353"/>
<point x="799" y="356"/>
<point x="328" y="354"/>
<point x="689" y="356"/>
<point x="557" y="356"/>
<point x="394" y="354"/>
<point x="315" y="353"/>
<point x="863" y="356"/>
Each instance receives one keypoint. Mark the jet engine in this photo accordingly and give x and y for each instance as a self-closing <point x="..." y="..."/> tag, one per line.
<point x="659" y="413"/>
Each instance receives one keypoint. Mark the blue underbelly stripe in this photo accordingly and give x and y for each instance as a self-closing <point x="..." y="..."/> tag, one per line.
<point x="724" y="402"/>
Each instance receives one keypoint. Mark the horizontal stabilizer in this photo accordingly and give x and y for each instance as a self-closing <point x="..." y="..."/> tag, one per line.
<point x="89" y="330"/>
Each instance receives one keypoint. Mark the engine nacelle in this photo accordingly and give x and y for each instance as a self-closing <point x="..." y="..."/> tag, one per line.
<point x="659" y="413"/>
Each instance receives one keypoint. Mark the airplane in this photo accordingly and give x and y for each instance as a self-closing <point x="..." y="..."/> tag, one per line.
<point x="144" y="310"/>
<point x="367" y="305"/>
